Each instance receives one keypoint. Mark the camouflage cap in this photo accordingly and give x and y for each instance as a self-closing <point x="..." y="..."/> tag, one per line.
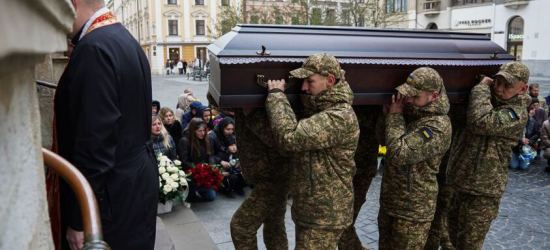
<point x="514" y="72"/>
<point x="422" y="79"/>
<point x="322" y="64"/>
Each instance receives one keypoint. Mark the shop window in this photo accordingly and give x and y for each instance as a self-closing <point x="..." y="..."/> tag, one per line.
<point x="515" y="37"/>
<point x="199" y="2"/>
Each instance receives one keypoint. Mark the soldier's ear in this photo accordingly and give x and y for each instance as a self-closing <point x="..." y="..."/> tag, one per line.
<point x="435" y="95"/>
<point x="331" y="80"/>
<point x="523" y="89"/>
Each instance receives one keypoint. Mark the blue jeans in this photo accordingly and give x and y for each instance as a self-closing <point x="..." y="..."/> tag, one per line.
<point x="207" y="194"/>
<point x="516" y="163"/>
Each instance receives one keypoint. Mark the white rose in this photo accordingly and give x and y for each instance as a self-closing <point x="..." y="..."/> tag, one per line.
<point x="164" y="158"/>
<point x="162" y="163"/>
<point x="181" y="173"/>
<point x="175" y="177"/>
<point x="169" y="180"/>
<point x="177" y="162"/>
<point x="174" y="185"/>
<point x="165" y="176"/>
<point x="174" y="170"/>
<point x="183" y="182"/>
<point x="167" y="188"/>
<point x="160" y="184"/>
<point x="162" y="170"/>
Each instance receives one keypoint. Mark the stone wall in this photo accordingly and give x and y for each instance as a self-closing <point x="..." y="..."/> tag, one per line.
<point x="30" y="31"/>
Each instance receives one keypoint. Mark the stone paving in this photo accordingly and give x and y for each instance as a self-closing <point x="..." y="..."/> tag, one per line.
<point x="523" y="221"/>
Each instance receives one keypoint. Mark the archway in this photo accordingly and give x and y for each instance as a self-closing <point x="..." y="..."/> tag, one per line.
<point x="431" y="26"/>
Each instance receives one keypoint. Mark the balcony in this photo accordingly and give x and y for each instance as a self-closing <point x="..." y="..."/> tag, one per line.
<point x="431" y="7"/>
<point x="515" y="4"/>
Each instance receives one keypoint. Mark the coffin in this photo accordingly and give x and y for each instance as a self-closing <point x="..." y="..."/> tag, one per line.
<point x="375" y="60"/>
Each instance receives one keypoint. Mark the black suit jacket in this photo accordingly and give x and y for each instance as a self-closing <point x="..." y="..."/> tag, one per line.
<point x="103" y="120"/>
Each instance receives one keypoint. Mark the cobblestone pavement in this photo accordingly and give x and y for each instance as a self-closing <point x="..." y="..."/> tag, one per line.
<point x="523" y="222"/>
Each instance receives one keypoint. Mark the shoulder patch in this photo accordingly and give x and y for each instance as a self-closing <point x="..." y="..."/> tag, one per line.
<point x="512" y="114"/>
<point x="507" y="115"/>
<point x="426" y="134"/>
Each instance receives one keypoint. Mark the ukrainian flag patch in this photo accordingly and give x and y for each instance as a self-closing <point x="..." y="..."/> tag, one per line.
<point x="410" y="79"/>
<point x="426" y="134"/>
<point x="512" y="114"/>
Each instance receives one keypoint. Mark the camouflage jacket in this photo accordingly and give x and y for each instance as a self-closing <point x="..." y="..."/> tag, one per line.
<point x="479" y="159"/>
<point x="261" y="159"/>
<point x="414" y="151"/>
<point x="543" y="103"/>
<point x="323" y="145"/>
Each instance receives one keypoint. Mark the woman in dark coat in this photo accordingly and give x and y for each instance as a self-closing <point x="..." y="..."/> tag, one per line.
<point x="217" y="137"/>
<point x="172" y="125"/>
<point x="193" y="148"/>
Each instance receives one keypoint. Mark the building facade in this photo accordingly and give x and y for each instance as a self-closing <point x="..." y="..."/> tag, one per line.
<point x="171" y="30"/>
<point x="519" y="26"/>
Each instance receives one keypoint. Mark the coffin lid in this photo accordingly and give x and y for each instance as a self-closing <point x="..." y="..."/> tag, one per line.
<point x="356" y="46"/>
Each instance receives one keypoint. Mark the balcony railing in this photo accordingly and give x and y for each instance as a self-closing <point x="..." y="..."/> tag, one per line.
<point x="515" y="3"/>
<point x="431" y="5"/>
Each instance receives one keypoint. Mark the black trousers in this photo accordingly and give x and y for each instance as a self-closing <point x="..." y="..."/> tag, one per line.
<point x="233" y="182"/>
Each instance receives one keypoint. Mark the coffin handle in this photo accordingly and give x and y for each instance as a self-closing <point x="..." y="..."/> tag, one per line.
<point x="260" y="79"/>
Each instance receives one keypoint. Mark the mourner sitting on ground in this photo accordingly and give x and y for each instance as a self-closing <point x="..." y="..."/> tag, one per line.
<point x="233" y="181"/>
<point x="162" y="141"/>
<point x="155" y="107"/>
<point x="170" y="123"/>
<point x="192" y="113"/>
<point x="194" y="148"/>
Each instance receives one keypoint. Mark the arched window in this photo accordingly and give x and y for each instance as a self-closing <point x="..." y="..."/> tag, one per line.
<point x="431" y="26"/>
<point x="515" y="37"/>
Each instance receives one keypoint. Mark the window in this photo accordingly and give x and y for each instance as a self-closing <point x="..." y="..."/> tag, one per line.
<point x="254" y="19"/>
<point x="393" y="6"/>
<point x="199" y="27"/>
<point x="172" y="2"/>
<point x="172" y="27"/>
<point x="345" y="17"/>
<point x="330" y="16"/>
<point x="464" y="2"/>
<point x="225" y="2"/>
<point x="515" y="37"/>
<point x="199" y="2"/>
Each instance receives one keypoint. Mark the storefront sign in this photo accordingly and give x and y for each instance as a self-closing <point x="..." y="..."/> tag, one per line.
<point x="474" y="22"/>
<point x="515" y="37"/>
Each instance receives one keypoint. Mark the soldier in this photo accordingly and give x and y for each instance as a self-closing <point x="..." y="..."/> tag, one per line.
<point x="534" y="92"/>
<point x="323" y="145"/>
<point x="415" y="150"/>
<point x="478" y="166"/>
<point x="266" y="167"/>
<point x="366" y="163"/>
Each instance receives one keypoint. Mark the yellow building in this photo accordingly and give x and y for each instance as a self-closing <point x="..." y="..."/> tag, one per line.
<point x="171" y="29"/>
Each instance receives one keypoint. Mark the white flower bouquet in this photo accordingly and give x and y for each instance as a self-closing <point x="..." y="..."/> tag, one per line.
<point x="172" y="180"/>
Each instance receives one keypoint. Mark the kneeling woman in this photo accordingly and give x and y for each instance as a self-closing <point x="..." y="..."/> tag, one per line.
<point x="162" y="141"/>
<point x="193" y="148"/>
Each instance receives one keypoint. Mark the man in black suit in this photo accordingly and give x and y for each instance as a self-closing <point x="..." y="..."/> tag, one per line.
<point x="103" y="122"/>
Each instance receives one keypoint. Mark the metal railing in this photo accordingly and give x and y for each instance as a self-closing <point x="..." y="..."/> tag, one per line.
<point x="91" y="220"/>
<point x="431" y="5"/>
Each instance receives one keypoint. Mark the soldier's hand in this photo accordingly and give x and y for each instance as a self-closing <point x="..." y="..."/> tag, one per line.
<point x="487" y="81"/>
<point x="386" y="109"/>
<point x="276" y="84"/>
<point x="397" y="103"/>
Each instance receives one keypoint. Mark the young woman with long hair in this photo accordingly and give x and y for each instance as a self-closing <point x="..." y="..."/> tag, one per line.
<point x="162" y="141"/>
<point x="193" y="148"/>
<point x="172" y="125"/>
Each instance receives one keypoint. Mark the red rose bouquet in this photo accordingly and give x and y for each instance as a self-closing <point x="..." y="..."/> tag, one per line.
<point x="206" y="176"/>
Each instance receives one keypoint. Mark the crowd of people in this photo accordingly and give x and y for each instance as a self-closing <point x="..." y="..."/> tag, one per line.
<point x="181" y="66"/>
<point x="194" y="135"/>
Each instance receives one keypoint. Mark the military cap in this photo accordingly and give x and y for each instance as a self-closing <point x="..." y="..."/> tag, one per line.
<point x="422" y="79"/>
<point x="514" y="72"/>
<point x="322" y="64"/>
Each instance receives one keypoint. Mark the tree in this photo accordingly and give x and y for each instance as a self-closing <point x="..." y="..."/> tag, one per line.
<point x="377" y="13"/>
<point x="227" y="19"/>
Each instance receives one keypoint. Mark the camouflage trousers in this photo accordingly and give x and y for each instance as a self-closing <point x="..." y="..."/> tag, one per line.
<point x="396" y="233"/>
<point x="470" y="219"/>
<point x="439" y="231"/>
<point x="316" y="238"/>
<point x="361" y="183"/>
<point x="266" y="205"/>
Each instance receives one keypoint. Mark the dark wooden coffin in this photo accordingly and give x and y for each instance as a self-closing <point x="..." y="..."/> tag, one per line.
<point x="375" y="60"/>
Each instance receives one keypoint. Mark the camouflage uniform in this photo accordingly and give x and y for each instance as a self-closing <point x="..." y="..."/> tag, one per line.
<point x="478" y="167"/>
<point x="324" y="146"/>
<point x="542" y="102"/>
<point x="439" y="233"/>
<point x="267" y="167"/>
<point x="367" y="166"/>
<point x="414" y="152"/>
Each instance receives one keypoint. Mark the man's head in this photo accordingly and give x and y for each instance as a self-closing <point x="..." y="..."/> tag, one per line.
<point x="535" y="104"/>
<point x="188" y="91"/>
<point x="422" y="87"/>
<point x="534" y="89"/>
<point x="511" y="80"/>
<point x="320" y="72"/>
<point x="84" y="10"/>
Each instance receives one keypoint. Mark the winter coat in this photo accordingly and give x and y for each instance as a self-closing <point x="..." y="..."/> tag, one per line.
<point x="322" y="149"/>
<point x="217" y="138"/>
<point x="414" y="151"/>
<point x="188" y="116"/>
<point x="175" y="130"/>
<point x="479" y="160"/>
<point x="158" y="146"/>
<point x="189" y="159"/>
